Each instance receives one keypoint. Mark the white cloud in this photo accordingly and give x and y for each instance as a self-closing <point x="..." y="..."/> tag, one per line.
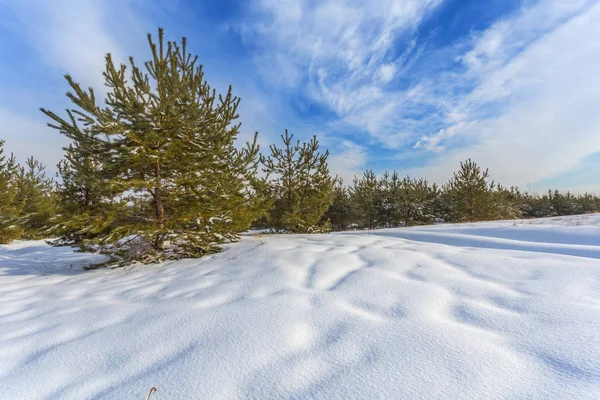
<point x="433" y="142"/>
<point x="340" y="49"/>
<point x="349" y="160"/>
<point x="523" y="102"/>
<point x="387" y="72"/>
<point x="73" y="36"/>
<point x="29" y="137"/>
<point x="68" y="36"/>
<point x="545" y="97"/>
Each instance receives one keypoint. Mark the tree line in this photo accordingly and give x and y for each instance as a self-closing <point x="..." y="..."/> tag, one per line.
<point x="155" y="171"/>
<point x="390" y="201"/>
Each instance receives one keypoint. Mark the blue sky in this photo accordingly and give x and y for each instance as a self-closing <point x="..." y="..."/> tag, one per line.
<point x="410" y="85"/>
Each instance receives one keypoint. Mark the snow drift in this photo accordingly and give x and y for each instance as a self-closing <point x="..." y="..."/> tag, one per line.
<point x="474" y="311"/>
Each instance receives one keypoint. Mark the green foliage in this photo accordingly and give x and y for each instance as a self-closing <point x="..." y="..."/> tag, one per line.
<point x="389" y="201"/>
<point x="367" y="199"/>
<point x="537" y="206"/>
<point x="386" y="202"/>
<point x="340" y="212"/>
<point x="589" y="203"/>
<point x="415" y="202"/>
<point x="564" y="203"/>
<point x="406" y="201"/>
<point x="36" y="199"/>
<point x="9" y="229"/>
<point x="299" y="184"/>
<point x="471" y="193"/>
<point x="506" y="203"/>
<point x="88" y="205"/>
<point x="154" y="173"/>
<point x="28" y="199"/>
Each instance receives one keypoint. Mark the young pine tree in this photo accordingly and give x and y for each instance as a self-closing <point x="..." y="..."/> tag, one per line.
<point x="442" y="202"/>
<point x="9" y="229"/>
<point x="471" y="193"/>
<point x="588" y="203"/>
<point x="535" y="206"/>
<point x="506" y="202"/>
<point x="367" y="199"/>
<point x="564" y="203"/>
<point x="388" y="190"/>
<point x="340" y="211"/>
<point x="36" y="199"/>
<point x="87" y="204"/>
<point x="414" y="203"/>
<point x="300" y="185"/>
<point x="153" y="171"/>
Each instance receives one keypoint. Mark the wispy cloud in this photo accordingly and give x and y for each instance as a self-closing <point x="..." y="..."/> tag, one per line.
<point x="73" y="36"/>
<point x="342" y="52"/>
<point x="66" y="36"/>
<point x="348" y="159"/>
<point x="517" y="97"/>
<point x="372" y="79"/>
<point x="531" y="113"/>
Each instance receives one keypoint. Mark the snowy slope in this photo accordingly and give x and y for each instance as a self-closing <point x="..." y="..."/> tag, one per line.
<point x="577" y="235"/>
<point x="503" y="310"/>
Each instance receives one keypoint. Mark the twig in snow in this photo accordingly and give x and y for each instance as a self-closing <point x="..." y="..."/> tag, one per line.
<point x="150" y="394"/>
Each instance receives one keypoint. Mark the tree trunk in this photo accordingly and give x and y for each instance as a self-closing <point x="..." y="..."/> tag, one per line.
<point x="159" y="208"/>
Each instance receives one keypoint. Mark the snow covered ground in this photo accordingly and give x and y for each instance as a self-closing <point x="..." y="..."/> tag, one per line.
<point x="502" y="310"/>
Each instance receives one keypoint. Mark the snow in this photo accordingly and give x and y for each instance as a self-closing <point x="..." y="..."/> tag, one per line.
<point x="499" y="310"/>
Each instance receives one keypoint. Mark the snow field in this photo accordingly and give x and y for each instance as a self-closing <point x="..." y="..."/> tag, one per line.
<point x="506" y="310"/>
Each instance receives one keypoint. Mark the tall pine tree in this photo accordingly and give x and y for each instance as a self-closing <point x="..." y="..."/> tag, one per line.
<point x="162" y="147"/>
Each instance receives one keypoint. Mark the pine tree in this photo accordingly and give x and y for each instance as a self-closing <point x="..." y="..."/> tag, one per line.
<point x="388" y="196"/>
<point x="442" y="203"/>
<point x="35" y="200"/>
<point x="414" y="203"/>
<point x="506" y="203"/>
<point x="367" y="197"/>
<point x="299" y="182"/>
<point x="340" y="211"/>
<point x="162" y="148"/>
<point x="9" y="229"/>
<point x="536" y="206"/>
<point x="472" y="195"/>
<point x="564" y="203"/>
<point x="86" y="198"/>
<point x="588" y="203"/>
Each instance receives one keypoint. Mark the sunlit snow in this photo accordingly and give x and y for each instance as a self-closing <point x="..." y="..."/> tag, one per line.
<point x="498" y="310"/>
